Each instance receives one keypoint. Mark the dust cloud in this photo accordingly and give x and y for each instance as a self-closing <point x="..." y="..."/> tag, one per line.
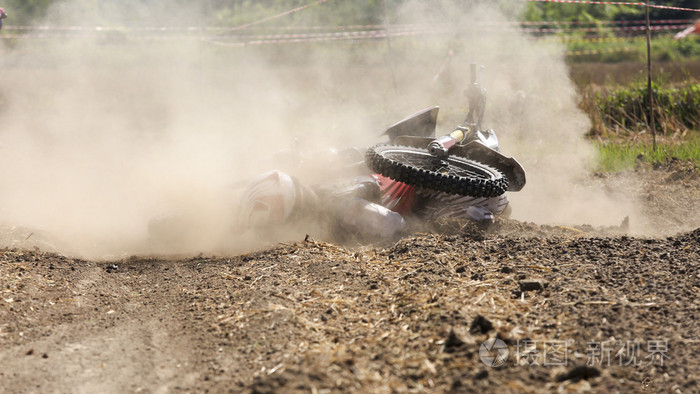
<point x="532" y="106"/>
<point x="101" y="134"/>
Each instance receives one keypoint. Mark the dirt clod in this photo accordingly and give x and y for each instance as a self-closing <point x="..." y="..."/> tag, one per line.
<point x="579" y="372"/>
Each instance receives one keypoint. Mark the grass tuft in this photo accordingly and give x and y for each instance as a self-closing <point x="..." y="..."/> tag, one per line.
<point x="624" y="110"/>
<point x="615" y="156"/>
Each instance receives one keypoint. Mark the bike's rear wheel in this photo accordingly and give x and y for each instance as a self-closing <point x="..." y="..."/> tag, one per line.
<point x="453" y="174"/>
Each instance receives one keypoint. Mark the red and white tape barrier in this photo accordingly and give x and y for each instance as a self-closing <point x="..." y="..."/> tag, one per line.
<point x="664" y="7"/>
<point x="596" y="29"/>
<point x="194" y="29"/>
<point x="314" y="36"/>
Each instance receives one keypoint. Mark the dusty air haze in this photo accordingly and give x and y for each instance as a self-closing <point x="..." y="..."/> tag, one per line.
<point x="101" y="134"/>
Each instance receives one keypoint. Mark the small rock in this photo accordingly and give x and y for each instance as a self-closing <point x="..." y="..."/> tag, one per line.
<point x="532" y="284"/>
<point x="453" y="340"/>
<point x="456" y="338"/>
<point x="480" y="325"/>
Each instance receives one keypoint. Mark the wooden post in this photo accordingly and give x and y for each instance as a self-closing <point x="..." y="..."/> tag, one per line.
<point x="649" y="91"/>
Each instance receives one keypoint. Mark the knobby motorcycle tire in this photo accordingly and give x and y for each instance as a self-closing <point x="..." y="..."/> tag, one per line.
<point x="453" y="174"/>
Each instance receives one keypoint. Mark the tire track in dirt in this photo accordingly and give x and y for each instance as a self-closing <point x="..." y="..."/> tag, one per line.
<point x="97" y="329"/>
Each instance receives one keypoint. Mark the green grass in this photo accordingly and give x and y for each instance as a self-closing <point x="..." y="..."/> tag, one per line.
<point x="615" y="156"/>
<point x="663" y="49"/>
<point x="621" y="110"/>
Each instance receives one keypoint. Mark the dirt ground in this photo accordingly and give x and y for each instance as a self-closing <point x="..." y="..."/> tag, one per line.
<point x="578" y="309"/>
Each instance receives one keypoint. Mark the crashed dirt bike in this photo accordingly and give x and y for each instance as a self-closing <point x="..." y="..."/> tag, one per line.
<point x="466" y="162"/>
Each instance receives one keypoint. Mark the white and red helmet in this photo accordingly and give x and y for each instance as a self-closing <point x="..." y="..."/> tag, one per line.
<point x="694" y="29"/>
<point x="271" y="198"/>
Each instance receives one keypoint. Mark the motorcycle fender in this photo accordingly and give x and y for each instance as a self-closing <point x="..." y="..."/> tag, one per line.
<point x="510" y="167"/>
<point x="420" y="124"/>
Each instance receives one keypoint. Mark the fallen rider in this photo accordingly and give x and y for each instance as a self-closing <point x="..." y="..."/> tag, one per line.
<point x="3" y="15"/>
<point x="371" y="206"/>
